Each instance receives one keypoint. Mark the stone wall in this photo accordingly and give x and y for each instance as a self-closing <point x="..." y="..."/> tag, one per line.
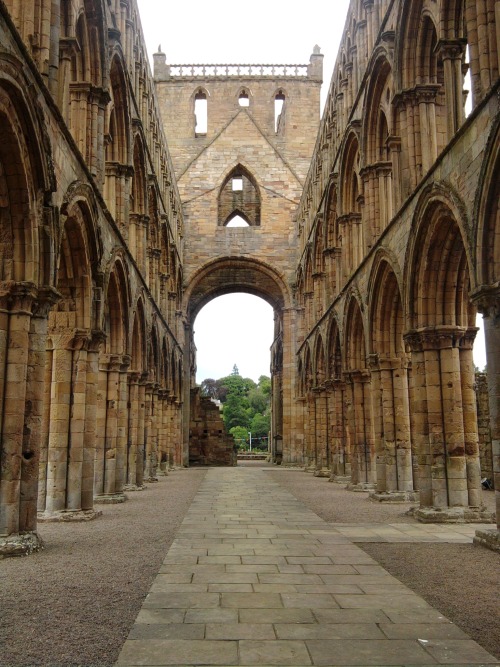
<point x="209" y="444"/>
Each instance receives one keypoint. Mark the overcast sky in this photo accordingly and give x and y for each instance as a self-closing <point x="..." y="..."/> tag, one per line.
<point x="238" y="328"/>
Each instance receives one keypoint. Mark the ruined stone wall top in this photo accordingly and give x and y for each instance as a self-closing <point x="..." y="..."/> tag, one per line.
<point x="222" y="86"/>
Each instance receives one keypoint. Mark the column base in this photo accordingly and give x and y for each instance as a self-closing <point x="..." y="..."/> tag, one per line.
<point x="151" y="480"/>
<point x="395" y="496"/>
<point x="20" y="544"/>
<point x="340" y="479"/>
<point x="68" y="515"/>
<point x="488" y="538"/>
<point x="134" y="487"/>
<point x="322" y="472"/>
<point x="454" y="515"/>
<point x="363" y="487"/>
<point x="110" y="498"/>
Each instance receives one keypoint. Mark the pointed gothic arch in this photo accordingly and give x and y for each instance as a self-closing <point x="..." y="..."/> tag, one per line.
<point x="239" y="194"/>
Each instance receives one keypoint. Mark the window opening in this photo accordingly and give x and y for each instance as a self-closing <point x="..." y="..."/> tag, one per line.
<point x="279" y="103"/>
<point x="467" y="97"/>
<point x="243" y="99"/>
<point x="200" y="114"/>
<point x="237" y="184"/>
<point x="237" y="221"/>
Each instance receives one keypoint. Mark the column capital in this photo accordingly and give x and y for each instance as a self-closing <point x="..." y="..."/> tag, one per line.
<point x="486" y="298"/>
<point x="435" y="338"/>
<point x="47" y="297"/>
<point x="80" y="340"/>
<point x="451" y="49"/>
<point x="133" y="377"/>
<point x="97" y="339"/>
<point x="125" y="362"/>
<point x="17" y="297"/>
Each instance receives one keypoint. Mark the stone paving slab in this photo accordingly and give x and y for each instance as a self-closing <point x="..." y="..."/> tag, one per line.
<point x="255" y="578"/>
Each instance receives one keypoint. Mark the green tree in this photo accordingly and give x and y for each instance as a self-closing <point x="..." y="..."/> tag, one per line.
<point x="258" y="400"/>
<point x="234" y="412"/>
<point x="209" y="388"/>
<point x="265" y="385"/>
<point x="233" y="384"/>
<point x="260" y="425"/>
<point x="240" y="435"/>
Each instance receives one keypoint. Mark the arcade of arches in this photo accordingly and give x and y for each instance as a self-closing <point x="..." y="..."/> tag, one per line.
<point x="374" y="232"/>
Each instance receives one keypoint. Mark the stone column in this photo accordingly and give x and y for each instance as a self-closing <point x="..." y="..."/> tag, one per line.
<point x="394" y="145"/>
<point x="363" y="458"/>
<point x="76" y="425"/>
<point x="162" y="432"/>
<point x="298" y="455"/>
<point x="419" y="427"/>
<point x="426" y="95"/>
<point x="447" y="478"/>
<point x="122" y="426"/>
<point x="451" y="53"/>
<point x="322" y="455"/>
<point x="181" y="453"/>
<point x="17" y="520"/>
<point x="341" y="469"/>
<point x="59" y="426"/>
<point x="487" y="300"/>
<point x="108" y="493"/>
<point x="351" y="426"/>
<point x="69" y="466"/>
<point x="95" y="344"/>
<point x="402" y="426"/>
<point x="141" y="430"/>
<point x="148" y="439"/>
<point x="133" y="428"/>
<point x="379" y="423"/>
<point x="470" y="420"/>
<point x="310" y="463"/>
<point x="394" y="466"/>
<point x="35" y="394"/>
<point x="153" y="471"/>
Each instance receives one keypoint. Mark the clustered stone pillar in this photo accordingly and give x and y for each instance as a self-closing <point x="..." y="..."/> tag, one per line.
<point x="361" y="428"/>
<point x="133" y="431"/>
<point x="445" y="425"/>
<point x="488" y="302"/>
<point x="322" y="432"/>
<point x="23" y="327"/>
<point x="341" y="459"/>
<point x="392" y="430"/>
<point x="70" y="428"/>
<point x="109" y="461"/>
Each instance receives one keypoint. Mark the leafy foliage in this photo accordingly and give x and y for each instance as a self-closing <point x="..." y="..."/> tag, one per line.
<point x="246" y="405"/>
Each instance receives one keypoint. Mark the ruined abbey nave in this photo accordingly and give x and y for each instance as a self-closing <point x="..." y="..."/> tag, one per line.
<point x="374" y="233"/>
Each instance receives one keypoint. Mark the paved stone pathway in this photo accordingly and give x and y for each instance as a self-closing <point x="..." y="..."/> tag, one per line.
<point x="256" y="578"/>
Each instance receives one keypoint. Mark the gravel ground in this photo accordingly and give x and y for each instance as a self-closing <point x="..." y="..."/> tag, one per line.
<point x="74" y="602"/>
<point x="461" y="580"/>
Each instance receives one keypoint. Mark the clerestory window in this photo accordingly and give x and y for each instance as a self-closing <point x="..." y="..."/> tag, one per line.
<point x="243" y="99"/>
<point x="279" y="112"/>
<point x="200" y="114"/>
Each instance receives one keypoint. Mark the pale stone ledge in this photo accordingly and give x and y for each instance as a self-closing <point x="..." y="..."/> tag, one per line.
<point x="22" y="544"/>
<point x="68" y="516"/>
<point x="454" y="515"/>
<point x="488" y="538"/>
